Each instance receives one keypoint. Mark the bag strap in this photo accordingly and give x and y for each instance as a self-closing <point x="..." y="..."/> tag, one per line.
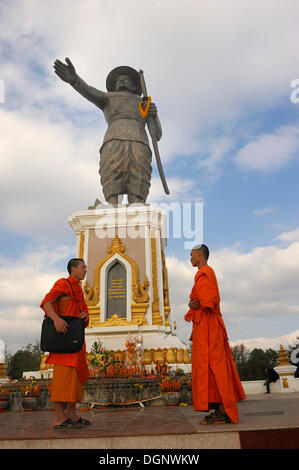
<point x="74" y="295"/>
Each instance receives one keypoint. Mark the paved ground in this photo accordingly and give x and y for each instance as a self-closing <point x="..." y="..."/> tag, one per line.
<point x="266" y="421"/>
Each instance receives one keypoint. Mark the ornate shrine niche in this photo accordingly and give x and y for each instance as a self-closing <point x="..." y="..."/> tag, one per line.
<point x="116" y="290"/>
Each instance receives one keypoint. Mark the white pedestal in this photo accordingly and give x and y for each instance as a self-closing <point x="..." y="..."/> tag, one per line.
<point x="286" y="378"/>
<point x="126" y="287"/>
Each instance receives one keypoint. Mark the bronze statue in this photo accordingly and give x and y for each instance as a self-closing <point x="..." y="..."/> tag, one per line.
<point x="125" y="155"/>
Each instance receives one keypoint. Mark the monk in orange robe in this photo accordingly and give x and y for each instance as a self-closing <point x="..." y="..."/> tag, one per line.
<point x="70" y="371"/>
<point x="215" y="380"/>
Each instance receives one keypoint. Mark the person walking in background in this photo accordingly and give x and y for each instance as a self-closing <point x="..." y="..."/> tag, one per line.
<point x="215" y="380"/>
<point x="70" y="370"/>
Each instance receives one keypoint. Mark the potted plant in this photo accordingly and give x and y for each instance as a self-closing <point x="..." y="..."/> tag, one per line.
<point x="137" y="392"/>
<point x="171" y="390"/>
<point x="4" y="399"/>
<point x="29" y="394"/>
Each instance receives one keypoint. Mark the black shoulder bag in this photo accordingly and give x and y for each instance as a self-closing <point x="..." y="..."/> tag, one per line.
<point x="70" y="342"/>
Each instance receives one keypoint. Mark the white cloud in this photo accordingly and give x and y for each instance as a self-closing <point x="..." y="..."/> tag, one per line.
<point x="194" y="62"/>
<point x="292" y="236"/>
<point x="48" y="171"/>
<point x="273" y="343"/>
<point x="270" y="152"/>
<point x="23" y="284"/>
<point x="255" y="287"/>
<point x="265" y="210"/>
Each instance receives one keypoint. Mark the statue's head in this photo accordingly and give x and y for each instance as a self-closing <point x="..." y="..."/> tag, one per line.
<point x="124" y="78"/>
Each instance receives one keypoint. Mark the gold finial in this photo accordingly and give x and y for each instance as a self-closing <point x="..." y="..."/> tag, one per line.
<point x="116" y="246"/>
<point x="282" y="357"/>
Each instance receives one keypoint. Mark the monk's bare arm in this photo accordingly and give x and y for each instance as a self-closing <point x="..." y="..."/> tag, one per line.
<point x="68" y="74"/>
<point x="60" y="325"/>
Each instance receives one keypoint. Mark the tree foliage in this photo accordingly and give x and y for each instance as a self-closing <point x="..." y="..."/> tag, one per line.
<point x="26" y="359"/>
<point x="250" y="364"/>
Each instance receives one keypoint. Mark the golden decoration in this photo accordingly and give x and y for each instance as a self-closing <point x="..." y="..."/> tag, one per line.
<point x="147" y="358"/>
<point x="115" y="320"/>
<point x="282" y="357"/>
<point x="139" y="291"/>
<point x="187" y="356"/>
<point x="43" y="365"/>
<point x="165" y="291"/>
<point x="81" y="245"/>
<point x="156" y="316"/>
<point x="158" y="355"/>
<point x="171" y="355"/>
<point x="180" y="356"/>
<point x="285" y="383"/>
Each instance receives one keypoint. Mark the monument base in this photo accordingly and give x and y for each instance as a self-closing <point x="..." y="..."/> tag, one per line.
<point x="126" y="288"/>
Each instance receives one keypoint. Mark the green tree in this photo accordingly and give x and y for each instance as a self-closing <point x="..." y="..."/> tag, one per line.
<point x="240" y="355"/>
<point x="257" y="360"/>
<point x="25" y="359"/>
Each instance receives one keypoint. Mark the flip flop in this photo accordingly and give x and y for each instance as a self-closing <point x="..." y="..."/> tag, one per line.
<point x="67" y="424"/>
<point x="83" y="421"/>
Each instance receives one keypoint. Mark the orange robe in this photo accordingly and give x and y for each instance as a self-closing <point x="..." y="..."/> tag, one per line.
<point x="214" y="375"/>
<point x="69" y="308"/>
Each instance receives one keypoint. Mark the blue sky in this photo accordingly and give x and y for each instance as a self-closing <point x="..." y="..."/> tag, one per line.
<point x="222" y="85"/>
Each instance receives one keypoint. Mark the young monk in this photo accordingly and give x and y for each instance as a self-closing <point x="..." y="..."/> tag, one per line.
<point x="70" y="370"/>
<point x="215" y="380"/>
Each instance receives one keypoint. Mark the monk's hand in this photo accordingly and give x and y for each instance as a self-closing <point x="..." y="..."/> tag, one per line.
<point x="152" y="110"/>
<point x="66" y="72"/>
<point x="84" y="316"/>
<point x="194" y="304"/>
<point x="60" y="325"/>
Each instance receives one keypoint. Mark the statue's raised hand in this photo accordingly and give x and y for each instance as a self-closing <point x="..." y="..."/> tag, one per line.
<point x="67" y="73"/>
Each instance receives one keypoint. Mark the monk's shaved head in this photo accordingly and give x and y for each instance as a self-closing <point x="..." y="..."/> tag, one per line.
<point x="203" y="249"/>
<point x="73" y="263"/>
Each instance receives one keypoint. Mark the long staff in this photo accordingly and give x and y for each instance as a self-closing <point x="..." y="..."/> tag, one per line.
<point x="152" y="131"/>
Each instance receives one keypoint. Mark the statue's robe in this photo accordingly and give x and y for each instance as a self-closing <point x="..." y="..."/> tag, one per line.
<point x="70" y="371"/>
<point x="214" y="375"/>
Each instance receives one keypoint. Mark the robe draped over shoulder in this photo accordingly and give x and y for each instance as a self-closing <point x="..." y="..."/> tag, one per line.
<point x="69" y="307"/>
<point x="214" y="374"/>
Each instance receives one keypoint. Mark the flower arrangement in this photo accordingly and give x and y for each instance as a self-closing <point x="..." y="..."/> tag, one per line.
<point x="98" y="359"/>
<point x="171" y="385"/>
<point x="31" y="390"/>
<point x="4" y="394"/>
<point x="144" y="111"/>
<point x="131" y="348"/>
<point x="161" y="369"/>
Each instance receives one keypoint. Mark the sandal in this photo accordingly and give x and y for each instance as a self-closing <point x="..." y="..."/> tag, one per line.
<point x="210" y="416"/>
<point x="67" y="424"/>
<point x="83" y="421"/>
<point x="216" y="418"/>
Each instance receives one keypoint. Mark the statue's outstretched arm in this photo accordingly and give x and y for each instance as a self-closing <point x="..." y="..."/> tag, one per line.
<point x="67" y="73"/>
